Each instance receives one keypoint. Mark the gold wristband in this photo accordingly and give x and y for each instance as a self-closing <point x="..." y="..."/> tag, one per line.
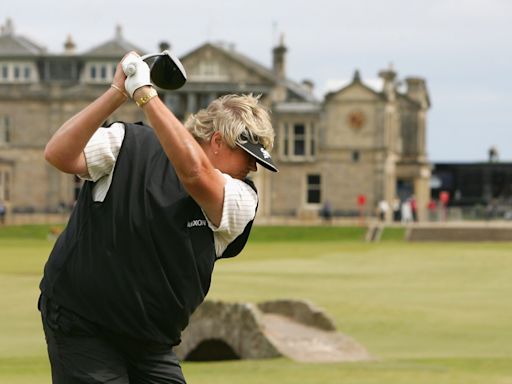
<point x="148" y="96"/>
<point x="120" y="90"/>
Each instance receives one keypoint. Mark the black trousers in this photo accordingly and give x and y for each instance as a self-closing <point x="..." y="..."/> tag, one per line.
<point x="81" y="352"/>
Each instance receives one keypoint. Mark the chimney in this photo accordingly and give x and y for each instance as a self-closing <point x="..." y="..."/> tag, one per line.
<point x="493" y="155"/>
<point x="164" y="46"/>
<point x="279" y="59"/>
<point x="119" y="32"/>
<point x="357" y="76"/>
<point x="69" y="46"/>
<point x="8" y="28"/>
<point x="417" y="90"/>
<point x="388" y="76"/>
<point x="308" y="85"/>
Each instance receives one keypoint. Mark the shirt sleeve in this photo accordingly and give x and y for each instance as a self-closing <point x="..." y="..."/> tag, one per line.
<point x="240" y="202"/>
<point x="101" y="151"/>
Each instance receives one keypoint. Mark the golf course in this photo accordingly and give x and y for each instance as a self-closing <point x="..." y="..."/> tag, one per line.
<point x="428" y="313"/>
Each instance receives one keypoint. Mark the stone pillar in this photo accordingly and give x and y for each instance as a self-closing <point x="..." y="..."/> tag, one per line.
<point x="389" y="87"/>
<point x="422" y="192"/>
<point x="417" y="91"/>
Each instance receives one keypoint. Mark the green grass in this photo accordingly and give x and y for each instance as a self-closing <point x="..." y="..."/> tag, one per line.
<point x="301" y="234"/>
<point x="393" y="234"/>
<point x="28" y="231"/>
<point x="430" y="313"/>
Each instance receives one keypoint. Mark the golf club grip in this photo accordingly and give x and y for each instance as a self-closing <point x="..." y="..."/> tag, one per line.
<point x="130" y="69"/>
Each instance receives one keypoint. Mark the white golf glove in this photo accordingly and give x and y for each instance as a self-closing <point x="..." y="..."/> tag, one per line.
<point x="137" y="72"/>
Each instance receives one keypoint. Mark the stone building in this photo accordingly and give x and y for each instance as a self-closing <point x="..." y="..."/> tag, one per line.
<point x="356" y="141"/>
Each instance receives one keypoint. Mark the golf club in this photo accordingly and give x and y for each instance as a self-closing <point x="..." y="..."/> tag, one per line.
<point x="167" y="72"/>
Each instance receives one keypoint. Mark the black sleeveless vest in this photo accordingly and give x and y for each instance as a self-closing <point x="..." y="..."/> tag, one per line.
<point x="140" y="262"/>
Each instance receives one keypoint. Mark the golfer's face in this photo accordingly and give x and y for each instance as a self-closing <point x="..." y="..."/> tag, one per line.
<point x="238" y="163"/>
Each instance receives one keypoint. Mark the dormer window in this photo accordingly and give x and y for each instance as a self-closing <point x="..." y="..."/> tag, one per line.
<point x="17" y="72"/>
<point x="103" y="72"/>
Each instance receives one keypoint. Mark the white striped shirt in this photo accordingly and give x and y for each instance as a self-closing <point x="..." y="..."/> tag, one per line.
<point x="240" y="200"/>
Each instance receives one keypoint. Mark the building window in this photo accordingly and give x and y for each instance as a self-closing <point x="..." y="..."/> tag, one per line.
<point x="313" y="189"/>
<point x="16" y="72"/>
<point x="285" y="140"/>
<point x="5" y="130"/>
<point x="204" y="99"/>
<point x="298" y="141"/>
<point x="175" y="102"/>
<point x="208" y="68"/>
<point x="100" y="72"/>
<point x="103" y="72"/>
<point x="2" y="186"/>
<point x="312" y="141"/>
<point x="5" y="193"/>
<point x="7" y="187"/>
<point x="355" y="156"/>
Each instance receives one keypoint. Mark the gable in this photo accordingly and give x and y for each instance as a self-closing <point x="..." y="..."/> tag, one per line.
<point x="356" y="91"/>
<point x="212" y="64"/>
<point x="115" y="49"/>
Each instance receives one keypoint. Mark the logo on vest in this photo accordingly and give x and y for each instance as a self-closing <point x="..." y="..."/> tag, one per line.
<point x="196" y="223"/>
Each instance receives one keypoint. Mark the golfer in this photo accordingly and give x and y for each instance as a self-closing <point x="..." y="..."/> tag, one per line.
<point x="159" y="206"/>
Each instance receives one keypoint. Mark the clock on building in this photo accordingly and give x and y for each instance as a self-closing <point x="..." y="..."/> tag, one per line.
<point x="356" y="119"/>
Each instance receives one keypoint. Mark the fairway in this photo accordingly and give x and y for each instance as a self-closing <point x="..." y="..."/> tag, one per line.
<point x="429" y="313"/>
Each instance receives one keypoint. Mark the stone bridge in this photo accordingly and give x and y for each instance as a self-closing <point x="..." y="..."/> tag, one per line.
<point x="294" y="329"/>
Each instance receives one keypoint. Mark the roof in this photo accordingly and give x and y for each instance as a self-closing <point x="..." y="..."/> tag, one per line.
<point x="297" y="107"/>
<point x="16" y="45"/>
<point x="260" y="69"/>
<point x="114" y="48"/>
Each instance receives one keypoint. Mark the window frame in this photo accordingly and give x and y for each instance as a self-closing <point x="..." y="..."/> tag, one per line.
<point x="291" y="139"/>
<point x="313" y="187"/>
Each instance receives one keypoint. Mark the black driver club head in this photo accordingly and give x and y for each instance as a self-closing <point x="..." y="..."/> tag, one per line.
<point x="167" y="72"/>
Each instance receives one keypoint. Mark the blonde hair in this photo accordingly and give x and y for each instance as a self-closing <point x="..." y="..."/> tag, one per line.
<point x="237" y="118"/>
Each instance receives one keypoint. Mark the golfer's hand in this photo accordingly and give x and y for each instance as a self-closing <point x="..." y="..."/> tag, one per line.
<point x="119" y="78"/>
<point x="137" y="72"/>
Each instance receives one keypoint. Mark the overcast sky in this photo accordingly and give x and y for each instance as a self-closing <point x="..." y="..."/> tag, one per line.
<point x="463" y="48"/>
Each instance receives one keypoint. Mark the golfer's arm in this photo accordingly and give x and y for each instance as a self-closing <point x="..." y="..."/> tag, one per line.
<point x="65" y="148"/>
<point x="195" y="171"/>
